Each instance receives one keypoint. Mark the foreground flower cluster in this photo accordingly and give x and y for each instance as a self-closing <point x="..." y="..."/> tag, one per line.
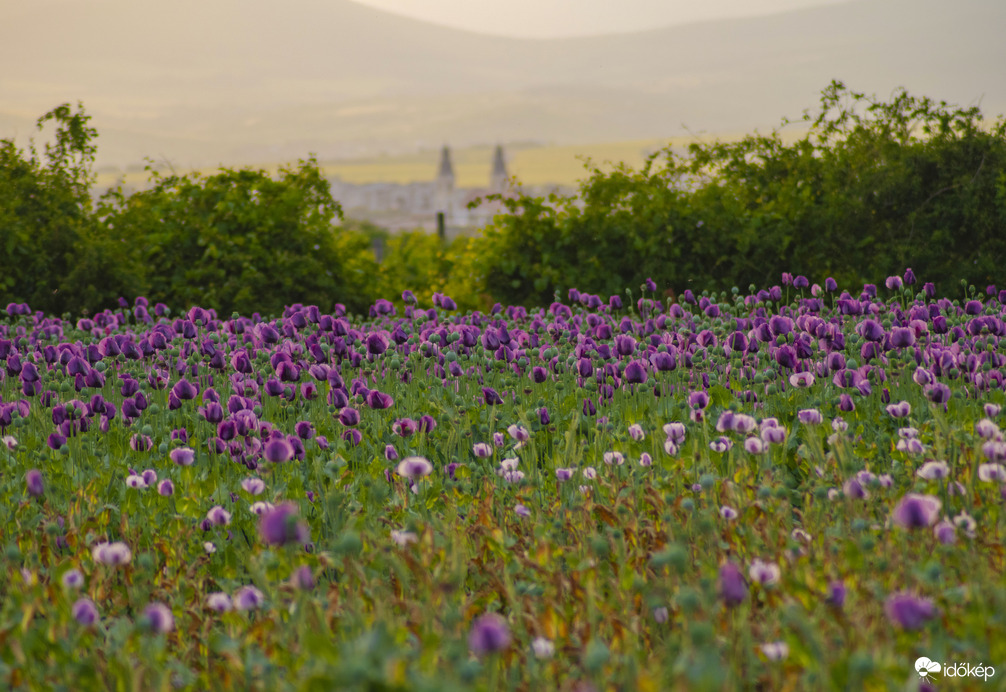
<point x="798" y="486"/>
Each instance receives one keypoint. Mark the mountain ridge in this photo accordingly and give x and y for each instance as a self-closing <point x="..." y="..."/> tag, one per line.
<point x="238" y="82"/>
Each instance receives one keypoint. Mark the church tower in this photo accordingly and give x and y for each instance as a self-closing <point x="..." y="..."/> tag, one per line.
<point x="445" y="183"/>
<point x="498" y="179"/>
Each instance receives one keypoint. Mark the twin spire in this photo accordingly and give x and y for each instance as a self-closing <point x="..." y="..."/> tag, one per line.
<point x="497" y="178"/>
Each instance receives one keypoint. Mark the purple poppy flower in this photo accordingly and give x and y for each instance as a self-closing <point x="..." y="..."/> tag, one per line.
<point x="938" y="393"/>
<point x="635" y="372"/>
<point x="588" y="408"/>
<point x="379" y="400"/>
<point x="625" y="345"/>
<point x="248" y="598"/>
<point x="427" y="423"/>
<point x="663" y="361"/>
<point x="304" y="429"/>
<point x="117" y="553"/>
<point x="810" y="416"/>
<point x="836" y="594"/>
<point x="353" y="437"/>
<point x="377" y="343"/>
<point x="278" y="450"/>
<point x="773" y="434"/>
<point x="765" y="573"/>
<point x="303" y="578"/>
<point x="182" y="456"/>
<point x="85" y="612"/>
<point x="29" y="373"/>
<point x="211" y="412"/>
<point x="733" y="589"/>
<point x="166" y="488"/>
<point x="902" y="337"/>
<point x="405" y="427"/>
<point x="185" y="390"/>
<point x="390" y="453"/>
<point x="253" y="486"/>
<point x="140" y="443"/>
<point x="854" y="489"/>
<point x="491" y="396"/>
<point x="414" y="467"/>
<point x="159" y="617"/>
<point x="698" y="400"/>
<point x="447" y="303"/>
<point x="489" y="634"/>
<point x="945" y="532"/>
<point x="994" y="472"/>
<point x="908" y="611"/>
<point x="280" y="525"/>
<point x="218" y="516"/>
<point x="871" y="330"/>
<point x="932" y="470"/>
<point x="917" y="511"/>
<point x="482" y="450"/>
<point x="902" y="409"/>
<point x="72" y="579"/>
<point x="218" y="602"/>
<point x="227" y="430"/>
<point x="273" y="387"/>
<point x="349" y="417"/>
<point x="33" y="479"/>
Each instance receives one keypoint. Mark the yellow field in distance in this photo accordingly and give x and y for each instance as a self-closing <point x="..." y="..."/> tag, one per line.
<point x="531" y="164"/>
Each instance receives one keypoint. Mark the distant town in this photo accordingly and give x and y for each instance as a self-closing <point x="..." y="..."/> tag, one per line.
<point x="406" y="206"/>
<point x="415" y="205"/>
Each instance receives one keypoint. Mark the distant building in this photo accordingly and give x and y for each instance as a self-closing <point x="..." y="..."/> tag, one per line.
<point x="444" y="201"/>
<point x="415" y="205"/>
<point x="498" y="180"/>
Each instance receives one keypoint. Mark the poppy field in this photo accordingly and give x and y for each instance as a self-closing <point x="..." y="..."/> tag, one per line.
<point x="789" y="488"/>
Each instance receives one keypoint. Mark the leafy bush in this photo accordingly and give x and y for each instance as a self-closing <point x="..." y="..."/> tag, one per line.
<point x="872" y="186"/>
<point x="422" y="263"/>
<point x="239" y="240"/>
<point x="54" y="255"/>
<point x="233" y="240"/>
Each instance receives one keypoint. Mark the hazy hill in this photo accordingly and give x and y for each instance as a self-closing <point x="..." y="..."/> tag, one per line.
<point x="256" y="80"/>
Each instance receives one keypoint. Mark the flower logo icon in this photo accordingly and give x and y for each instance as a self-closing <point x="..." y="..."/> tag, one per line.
<point x="925" y="667"/>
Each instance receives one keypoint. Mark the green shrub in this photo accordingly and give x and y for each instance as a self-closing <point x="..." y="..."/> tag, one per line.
<point x="422" y="263"/>
<point x="870" y="188"/>
<point x="240" y="240"/>
<point x="54" y="255"/>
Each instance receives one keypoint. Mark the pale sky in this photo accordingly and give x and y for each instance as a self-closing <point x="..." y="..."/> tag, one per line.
<point x="553" y="18"/>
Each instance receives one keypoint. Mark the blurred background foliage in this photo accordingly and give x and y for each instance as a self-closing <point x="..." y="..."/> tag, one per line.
<point x="869" y="187"/>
